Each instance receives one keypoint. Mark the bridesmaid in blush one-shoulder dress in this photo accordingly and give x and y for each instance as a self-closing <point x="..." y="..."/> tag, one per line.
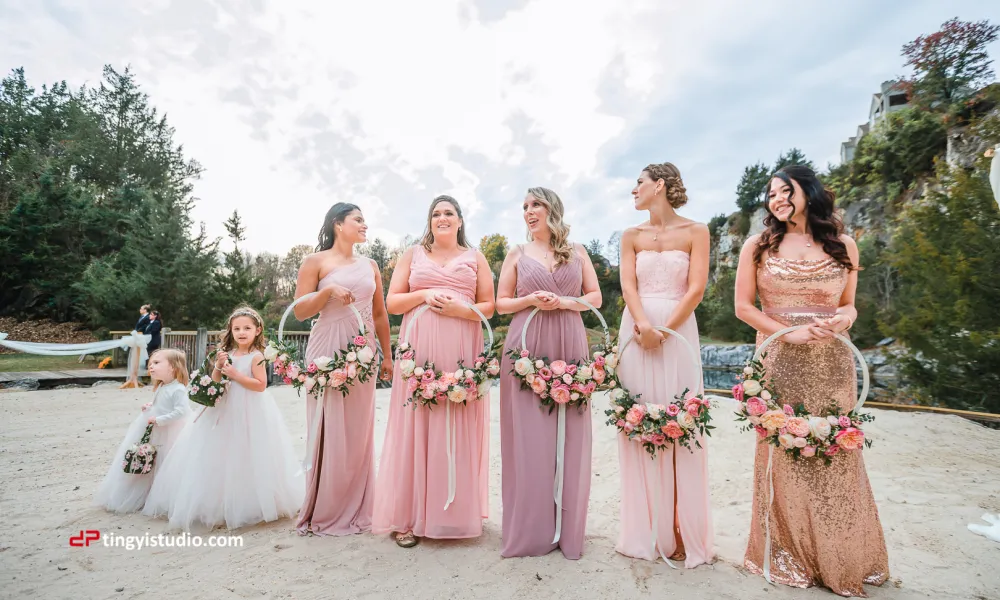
<point x="541" y="274"/>
<point x="340" y="484"/>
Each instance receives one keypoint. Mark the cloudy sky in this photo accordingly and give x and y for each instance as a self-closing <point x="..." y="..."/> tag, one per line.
<point x="292" y="106"/>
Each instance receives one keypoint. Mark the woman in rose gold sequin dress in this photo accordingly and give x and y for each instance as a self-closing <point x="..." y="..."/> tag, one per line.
<point x="823" y="523"/>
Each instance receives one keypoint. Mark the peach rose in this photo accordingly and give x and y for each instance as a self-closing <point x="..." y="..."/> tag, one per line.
<point x="798" y="427"/>
<point x="672" y="430"/>
<point x="337" y="377"/>
<point x="561" y="394"/>
<point x="558" y="367"/>
<point x="635" y="414"/>
<point x="773" y="420"/>
<point x="786" y="440"/>
<point x="851" y="438"/>
<point x="808" y="452"/>
<point x="538" y="385"/>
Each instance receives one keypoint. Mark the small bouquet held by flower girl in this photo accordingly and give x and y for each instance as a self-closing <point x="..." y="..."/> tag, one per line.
<point x="203" y="389"/>
<point x="792" y="428"/>
<point x="354" y="364"/>
<point x="139" y="457"/>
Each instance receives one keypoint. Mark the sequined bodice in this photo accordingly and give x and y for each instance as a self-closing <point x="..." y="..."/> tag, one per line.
<point x="662" y="274"/>
<point x="792" y="283"/>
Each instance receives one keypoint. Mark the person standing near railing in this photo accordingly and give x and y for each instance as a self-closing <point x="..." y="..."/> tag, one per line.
<point x="153" y="330"/>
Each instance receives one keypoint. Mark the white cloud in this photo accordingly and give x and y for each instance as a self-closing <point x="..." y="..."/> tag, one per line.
<point x="388" y="103"/>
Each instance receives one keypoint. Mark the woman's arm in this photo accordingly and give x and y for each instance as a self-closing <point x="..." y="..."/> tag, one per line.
<point x="306" y="283"/>
<point x="629" y="282"/>
<point x="380" y="315"/>
<point x="507" y="300"/>
<point x="591" y="287"/>
<point x="400" y="299"/>
<point x="697" y="277"/>
<point x="847" y="313"/>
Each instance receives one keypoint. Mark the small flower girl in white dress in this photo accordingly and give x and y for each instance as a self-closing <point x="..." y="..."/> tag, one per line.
<point x="124" y="492"/>
<point x="234" y="465"/>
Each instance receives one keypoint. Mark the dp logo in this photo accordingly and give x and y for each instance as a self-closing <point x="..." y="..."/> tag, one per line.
<point x="84" y="538"/>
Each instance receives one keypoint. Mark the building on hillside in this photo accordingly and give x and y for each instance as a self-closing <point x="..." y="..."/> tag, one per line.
<point x="890" y="98"/>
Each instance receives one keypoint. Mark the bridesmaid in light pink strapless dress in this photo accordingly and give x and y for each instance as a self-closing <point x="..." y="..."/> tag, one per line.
<point x="339" y="486"/>
<point x="658" y="375"/>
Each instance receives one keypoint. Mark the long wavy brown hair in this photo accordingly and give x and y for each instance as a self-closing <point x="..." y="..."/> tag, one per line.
<point x="428" y="238"/>
<point x="825" y="224"/>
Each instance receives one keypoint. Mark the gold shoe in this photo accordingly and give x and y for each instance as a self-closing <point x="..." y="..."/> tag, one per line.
<point x="406" y="540"/>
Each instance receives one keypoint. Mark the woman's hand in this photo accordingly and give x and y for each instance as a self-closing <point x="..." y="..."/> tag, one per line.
<point x="452" y="307"/>
<point x="435" y="299"/>
<point x="836" y="324"/>
<point x="802" y="336"/>
<point x="385" y="370"/>
<point x="648" y="337"/>
<point x="339" y="292"/>
<point x="547" y="300"/>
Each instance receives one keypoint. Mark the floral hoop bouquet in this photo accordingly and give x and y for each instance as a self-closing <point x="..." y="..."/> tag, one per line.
<point x="139" y="458"/>
<point x="792" y="428"/>
<point x="354" y="364"/>
<point x="426" y="386"/>
<point x="657" y="426"/>
<point x="203" y="389"/>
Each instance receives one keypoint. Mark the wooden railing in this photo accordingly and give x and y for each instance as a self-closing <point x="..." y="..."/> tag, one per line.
<point x="197" y="344"/>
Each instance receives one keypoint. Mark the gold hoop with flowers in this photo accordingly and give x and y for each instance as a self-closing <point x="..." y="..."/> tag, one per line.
<point x="356" y="363"/>
<point x="560" y="384"/>
<point x="660" y="426"/>
<point x="425" y="385"/>
<point x="791" y="427"/>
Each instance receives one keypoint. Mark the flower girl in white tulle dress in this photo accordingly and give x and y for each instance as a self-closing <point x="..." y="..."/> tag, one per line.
<point x="125" y="492"/>
<point x="234" y="465"/>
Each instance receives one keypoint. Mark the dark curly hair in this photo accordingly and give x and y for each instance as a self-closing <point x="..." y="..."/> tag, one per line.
<point x="825" y="224"/>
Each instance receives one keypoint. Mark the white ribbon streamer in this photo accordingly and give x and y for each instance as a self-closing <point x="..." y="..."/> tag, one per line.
<point x="557" y="487"/>
<point x="312" y="441"/>
<point x="656" y="504"/>
<point x="135" y="343"/>
<point x="449" y="430"/>
<point x="866" y="381"/>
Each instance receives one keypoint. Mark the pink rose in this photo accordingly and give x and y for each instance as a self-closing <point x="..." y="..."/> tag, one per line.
<point x="352" y="370"/>
<point x="312" y="368"/>
<point x="832" y="450"/>
<point x="756" y="406"/>
<point x="599" y="375"/>
<point x="558" y="367"/>
<point x="285" y="380"/>
<point x="427" y="392"/>
<point x="338" y="377"/>
<point x="799" y="442"/>
<point x="411" y="385"/>
<point x="789" y="410"/>
<point x="738" y="392"/>
<point x="635" y="414"/>
<point x="798" y="427"/>
<point x="567" y="378"/>
<point x="561" y="394"/>
<point x="428" y="375"/>
<point x="761" y="432"/>
<point x="672" y="430"/>
<point x="589" y="388"/>
<point x="302" y="378"/>
<point x="524" y="354"/>
<point x="359" y="340"/>
<point x="646" y="438"/>
<point x="408" y="355"/>
<point x="693" y="409"/>
<point x="628" y="427"/>
<point x="599" y="360"/>
<point x="538" y="385"/>
<point x="620" y="424"/>
<point x="659" y="439"/>
<point x="571" y="369"/>
<point x="851" y="438"/>
<point x="845" y="422"/>
<point x="808" y="452"/>
<point x="293" y="371"/>
<point x="545" y="373"/>
<point x="673" y="410"/>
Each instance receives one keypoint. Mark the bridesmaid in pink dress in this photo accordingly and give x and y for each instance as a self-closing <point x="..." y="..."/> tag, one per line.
<point x="664" y="269"/>
<point x="412" y="491"/>
<point x="338" y="497"/>
<point x="540" y="274"/>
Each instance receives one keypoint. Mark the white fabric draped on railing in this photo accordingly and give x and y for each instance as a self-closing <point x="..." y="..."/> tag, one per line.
<point x="135" y="343"/>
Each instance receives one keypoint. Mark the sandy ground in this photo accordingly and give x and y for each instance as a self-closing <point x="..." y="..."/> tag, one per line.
<point x="931" y="475"/>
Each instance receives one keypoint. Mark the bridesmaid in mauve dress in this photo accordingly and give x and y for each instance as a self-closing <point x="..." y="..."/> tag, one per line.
<point x="823" y="524"/>
<point x="539" y="274"/>
<point x="413" y="493"/>
<point x="338" y="497"/>
<point x="664" y="269"/>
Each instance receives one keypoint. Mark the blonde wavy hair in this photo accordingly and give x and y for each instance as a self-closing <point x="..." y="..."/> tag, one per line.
<point x="671" y="176"/>
<point x="228" y="342"/>
<point x="561" y="247"/>
<point x="177" y="360"/>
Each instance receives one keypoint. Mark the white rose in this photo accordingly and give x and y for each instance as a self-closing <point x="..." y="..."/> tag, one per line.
<point x="685" y="420"/>
<point x="194" y="375"/>
<point x="310" y="382"/>
<point x="819" y="427"/>
<point x="539" y="364"/>
<point x="283" y="358"/>
<point x="530" y="377"/>
<point x="484" y="389"/>
<point x="352" y="356"/>
<point x="616" y="394"/>
<point x="574" y="396"/>
<point x="612" y="360"/>
<point x="418" y="371"/>
<point x="457" y="394"/>
<point x="366" y="355"/>
<point x="270" y="353"/>
<point x="832" y="420"/>
<point x="765" y="395"/>
<point x="522" y="366"/>
<point x="748" y="370"/>
<point x="653" y="410"/>
<point x="751" y="387"/>
<point x="786" y="440"/>
<point x="407" y="367"/>
<point x="323" y="363"/>
<point x="567" y="378"/>
<point x="584" y="374"/>
<point x="321" y="380"/>
<point x="754" y="419"/>
<point x="404" y="347"/>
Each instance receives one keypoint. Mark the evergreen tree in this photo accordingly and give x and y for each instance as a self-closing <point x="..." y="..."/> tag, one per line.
<point x="235" y="281"/>
<point x="750" y="191"/>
